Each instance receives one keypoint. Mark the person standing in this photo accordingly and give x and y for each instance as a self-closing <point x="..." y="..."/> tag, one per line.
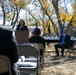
<point x="8" y="48"/>
<point x="64" y="42"/>
<point x="21" y="25"/>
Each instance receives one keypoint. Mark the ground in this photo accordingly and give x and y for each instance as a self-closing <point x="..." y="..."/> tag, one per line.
<point x="62" y="65"/>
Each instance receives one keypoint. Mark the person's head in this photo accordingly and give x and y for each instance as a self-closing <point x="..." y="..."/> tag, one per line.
<point x="22" y="22"/>
<point x="37" y="31"/>
<point x="64" y="30"/>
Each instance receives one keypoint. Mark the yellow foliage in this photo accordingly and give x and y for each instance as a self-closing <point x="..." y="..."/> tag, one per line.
<point x="41" y="23"/>
<point x="45" y="3"/>
<point x="74" y="13"/>
<point x="21" y="3"/>
<point x="62" y="15"/>
<point x="43" y="0"/>
<point x="46" y="6"/>
<point x="59" y="17"/>
<point x="9" y="15"/>
<point x="51" y="27"/>
<point x="65" y="16"/>
<point x="74" y="23"/>
<point x="50" y="12"/>
<point x="74" y="19"/>
<point x="74" y="6"/>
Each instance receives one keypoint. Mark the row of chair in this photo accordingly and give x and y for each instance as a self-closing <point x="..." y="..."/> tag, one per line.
<point x="31" y="65"/>
<point x="72" y="48"/>
<point x="31" y="51"/>
<point x="23" y="37"/>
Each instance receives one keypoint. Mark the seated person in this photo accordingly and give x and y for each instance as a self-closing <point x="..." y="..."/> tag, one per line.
<point x="21" y="25"/>
<point x="37" y="39"/>
<point x="64" y="42"/>
<point x="8" y="47"/>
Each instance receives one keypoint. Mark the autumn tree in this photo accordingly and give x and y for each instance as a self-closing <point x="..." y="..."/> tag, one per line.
<point x="52" y="9"/>
<point x="11" y="9"/>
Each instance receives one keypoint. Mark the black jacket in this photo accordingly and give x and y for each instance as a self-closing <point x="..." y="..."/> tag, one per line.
<point x="8" y="48"/>
<point x="37" y="39"/>
<point x="66" y="40"/>
<point x="23" y="28"/>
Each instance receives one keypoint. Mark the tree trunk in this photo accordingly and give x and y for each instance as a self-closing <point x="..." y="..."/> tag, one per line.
<point x="4" y="17"/>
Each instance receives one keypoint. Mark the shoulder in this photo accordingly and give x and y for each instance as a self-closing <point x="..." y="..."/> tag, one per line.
<point x="25" y="26"/>
<point x="18" y="25"/>
<point x="31" y="37"/>
<point x="68" y="35"/>
<point x="41" y="38"/>
<point x="6" y="31"/>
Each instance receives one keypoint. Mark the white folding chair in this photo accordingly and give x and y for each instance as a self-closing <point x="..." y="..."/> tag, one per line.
<point x="31" y="65"/>
<point x="5" y="65"/>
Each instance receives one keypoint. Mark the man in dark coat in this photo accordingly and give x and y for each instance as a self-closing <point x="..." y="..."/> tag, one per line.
<point x="36" y="38"/>
<point x="8" y="48"/>
<point x="64" y="42"/>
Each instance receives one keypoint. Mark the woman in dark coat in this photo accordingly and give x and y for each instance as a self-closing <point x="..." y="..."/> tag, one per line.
<point x="21" y="25"/>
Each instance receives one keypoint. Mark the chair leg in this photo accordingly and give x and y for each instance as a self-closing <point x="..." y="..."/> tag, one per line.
<point x="42" y="62"/>
<point x="70" y="53"/>
<point x="66" y="52"/>
<point x="74" y="51"/>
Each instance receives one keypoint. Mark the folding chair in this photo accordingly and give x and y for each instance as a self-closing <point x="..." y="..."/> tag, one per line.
<point x="22" y="36"/>
<point x="31" y="65"/>
<point x="41" y="46"/>
<point x="5" y="65"/>
<point x="73" y="48"/>
<point x="69" y="47"/>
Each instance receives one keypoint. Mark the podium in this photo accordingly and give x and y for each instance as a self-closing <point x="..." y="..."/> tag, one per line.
<point x="22" y="36"/>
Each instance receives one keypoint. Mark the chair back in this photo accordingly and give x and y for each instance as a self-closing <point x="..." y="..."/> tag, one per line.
<point x="32" y="58"/>
<point x="28" y="49"/>
<point x="74" y="44"/>
<point x="22" y="36"/>
<point x="41" y="46"/>
<point x="5" y="65"/>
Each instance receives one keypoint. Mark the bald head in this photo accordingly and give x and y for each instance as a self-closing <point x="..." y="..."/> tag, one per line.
<point x="64" y="30"/>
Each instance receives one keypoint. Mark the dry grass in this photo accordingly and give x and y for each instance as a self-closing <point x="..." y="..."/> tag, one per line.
<point x="58" y="65"/>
